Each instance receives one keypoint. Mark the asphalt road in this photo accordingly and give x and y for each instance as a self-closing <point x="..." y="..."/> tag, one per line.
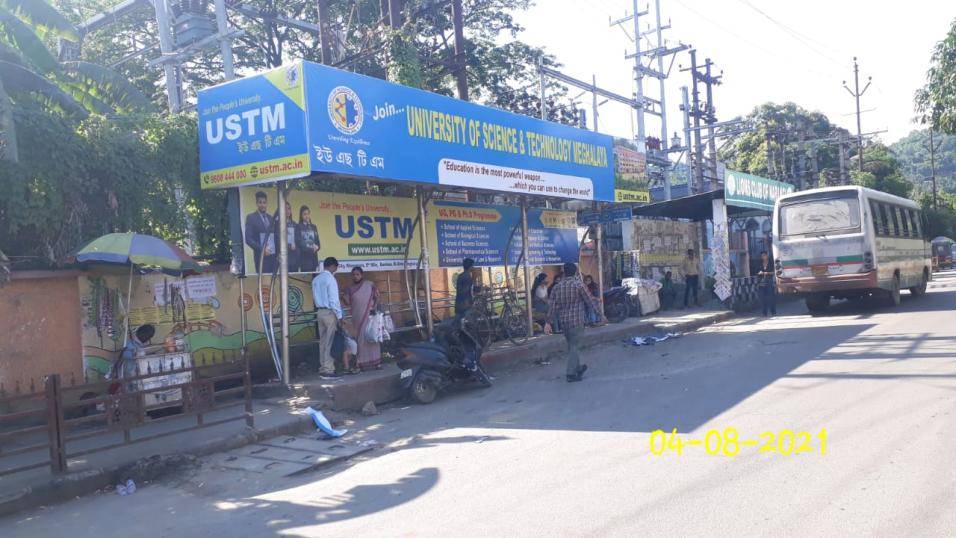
<point x="536" y="456"/>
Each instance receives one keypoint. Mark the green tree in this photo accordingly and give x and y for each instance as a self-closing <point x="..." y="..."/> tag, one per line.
<point x="772" y="148"/>
<point x="913" y="154"/>
<point x="936" y="101"/>
<point x="882" y="171"/>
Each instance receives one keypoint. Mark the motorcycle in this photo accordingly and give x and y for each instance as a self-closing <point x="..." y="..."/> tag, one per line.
<point x="620" y="302"/>
<point x="452" y="356"/>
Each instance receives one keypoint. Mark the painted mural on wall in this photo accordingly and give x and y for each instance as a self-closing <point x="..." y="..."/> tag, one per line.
<point x="205" y="309"/>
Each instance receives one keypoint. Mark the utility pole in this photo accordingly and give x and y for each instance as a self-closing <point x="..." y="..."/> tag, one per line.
<point x="225" y="42"/>
<point x="167" y="47"/>
<point x="711" y="118"/>
<point x="541" y="88"/>
<point x="639" y="78"/>
<point x="932" y="164"/>
<point x="460" y="74"/>
<point x="324" y="35"/>
<point x="395" y="14"/>
<point x="594" y="104"/>
<point x="856" y="93"/>
<point x="685" y="108"/>
<point x="695" y="112"/>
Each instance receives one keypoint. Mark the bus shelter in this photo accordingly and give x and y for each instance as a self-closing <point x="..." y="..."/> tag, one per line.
<point x="310" y="121"/>
<point x="742" y="198"/>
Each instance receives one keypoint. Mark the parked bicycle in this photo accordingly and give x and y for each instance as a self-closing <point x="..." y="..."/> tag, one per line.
<point x="491" y="323"/>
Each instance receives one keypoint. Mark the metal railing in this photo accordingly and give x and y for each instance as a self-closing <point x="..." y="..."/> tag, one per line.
<point x="69" y="421"/>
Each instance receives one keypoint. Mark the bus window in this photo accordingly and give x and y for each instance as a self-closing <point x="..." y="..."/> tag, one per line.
<point x="915" y="228"/>
<point x="818" y="216"/>
<point x="885" y="228"/>
<point x="878" y="221"/>
<point x="894" y="220"/>
<point x="905" y="221"/>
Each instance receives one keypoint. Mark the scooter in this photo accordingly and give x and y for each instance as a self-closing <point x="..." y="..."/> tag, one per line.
<point x="452" y="356"/>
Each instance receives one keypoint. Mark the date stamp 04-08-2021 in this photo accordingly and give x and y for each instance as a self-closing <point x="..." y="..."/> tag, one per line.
<point x="729" y="444"/>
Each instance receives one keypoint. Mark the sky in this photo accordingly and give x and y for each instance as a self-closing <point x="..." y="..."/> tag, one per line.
<point x="768" y="50"/>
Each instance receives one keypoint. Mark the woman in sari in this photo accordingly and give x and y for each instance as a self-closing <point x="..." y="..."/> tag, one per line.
<point x="361" y="296"/>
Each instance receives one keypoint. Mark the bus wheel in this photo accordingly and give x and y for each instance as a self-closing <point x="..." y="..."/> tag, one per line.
<point x="917" y="291"/>
<point x="817" y="302"/>
<point x="893" y="295"/>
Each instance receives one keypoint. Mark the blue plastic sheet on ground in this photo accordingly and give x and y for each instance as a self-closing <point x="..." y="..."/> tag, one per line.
<point x="323" y="423"/>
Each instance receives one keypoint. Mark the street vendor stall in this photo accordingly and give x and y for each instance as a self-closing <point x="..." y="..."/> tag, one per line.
<point x="143" y="254"/>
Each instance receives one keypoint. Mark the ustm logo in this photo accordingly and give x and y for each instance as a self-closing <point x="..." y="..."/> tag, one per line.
<point x="345" y="110"/>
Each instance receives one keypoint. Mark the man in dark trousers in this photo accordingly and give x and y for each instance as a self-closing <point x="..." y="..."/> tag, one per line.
<point x="691" y="270"/>
<point x="766" y="285"/>
<point x="464" y="288"/>
<point x="258" y="236"/>
<point x="568" y="304"/>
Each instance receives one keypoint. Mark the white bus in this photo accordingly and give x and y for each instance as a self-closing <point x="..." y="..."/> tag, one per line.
<point x="849" y="243"/>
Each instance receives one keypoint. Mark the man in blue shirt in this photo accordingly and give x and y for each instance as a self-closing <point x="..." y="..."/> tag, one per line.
<point x="328" y="314"/>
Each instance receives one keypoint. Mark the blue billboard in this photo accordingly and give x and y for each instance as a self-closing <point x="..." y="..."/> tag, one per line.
<point x="485" y="232"/>
<point x="365" y="127"/>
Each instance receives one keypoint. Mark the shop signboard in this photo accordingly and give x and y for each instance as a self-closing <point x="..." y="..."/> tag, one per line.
<point x="631" y="183"/>
<point x="746" y="190"/>
<point x="363" y="127"/>
<point x="374" y="231"/>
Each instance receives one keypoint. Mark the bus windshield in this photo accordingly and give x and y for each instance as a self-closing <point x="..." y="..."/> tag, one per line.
<point x="821" y="216"/>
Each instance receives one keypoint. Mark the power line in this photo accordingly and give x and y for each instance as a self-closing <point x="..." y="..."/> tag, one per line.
<point x="756" y="46"/>
<point x="793" y="33"/>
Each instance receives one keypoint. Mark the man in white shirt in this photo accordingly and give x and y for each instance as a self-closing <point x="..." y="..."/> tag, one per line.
<point x="328" y="314"/>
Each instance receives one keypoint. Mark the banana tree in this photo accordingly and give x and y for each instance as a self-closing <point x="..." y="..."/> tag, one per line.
<point x="29" y="72"/>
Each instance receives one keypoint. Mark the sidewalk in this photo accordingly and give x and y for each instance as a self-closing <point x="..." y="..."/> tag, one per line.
<point x="350" y="393"/>
<point x="283" y="416"/>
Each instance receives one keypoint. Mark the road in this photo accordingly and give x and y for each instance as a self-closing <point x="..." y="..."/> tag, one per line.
<point x="537" y="456"/>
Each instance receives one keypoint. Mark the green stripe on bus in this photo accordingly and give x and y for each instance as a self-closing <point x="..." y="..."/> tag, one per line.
<point x="850" y="259"/>
<point x="795" y="263"/>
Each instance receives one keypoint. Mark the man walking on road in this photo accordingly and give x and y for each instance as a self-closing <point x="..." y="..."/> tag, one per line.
<point x="328" y="314"/>
<point x="568" y="305"/>
<point x="689" y="267"/>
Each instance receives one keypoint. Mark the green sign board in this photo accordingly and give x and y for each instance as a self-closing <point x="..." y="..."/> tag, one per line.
<point x="746" y="190"/>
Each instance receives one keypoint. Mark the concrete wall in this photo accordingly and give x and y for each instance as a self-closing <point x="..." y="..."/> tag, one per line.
<point x="40" y="329"/>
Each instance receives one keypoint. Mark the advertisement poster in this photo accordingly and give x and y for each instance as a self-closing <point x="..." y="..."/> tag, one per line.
<point x="366" y="231"/>
<point x="630" y="173"/>
<point x="360" y="126"/>
<point x="252" y="130"/>
<point x="372" y="232"/>
<point x="460" y="230"/>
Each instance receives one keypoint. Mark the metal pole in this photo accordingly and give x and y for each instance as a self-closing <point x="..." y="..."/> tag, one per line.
<point x="698" y="150"/>
<point x="639" y="78"/>
<point x="598" y="242"/>
<point x="426" y="268"/>
<point x="325" y="37"/>
<point x="225" y="43"/>
<point x="528" y="304"/>
<point x="932" y="165"/>
<point x="461" y="75"/>
<point x="166" y="47"/>
<point x="541" y="84"/>
<point x="594" y="103"/>
<point x="859" y="127"/>
<point x="711" y="141"/>
<point x="685" y="101"/>
<point x="242" y="312"/>
<point x="660" y="69"/>
<point x="283" y="282"/>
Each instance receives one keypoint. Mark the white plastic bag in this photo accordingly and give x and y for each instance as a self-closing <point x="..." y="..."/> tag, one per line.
<point x="373" y="328"/>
